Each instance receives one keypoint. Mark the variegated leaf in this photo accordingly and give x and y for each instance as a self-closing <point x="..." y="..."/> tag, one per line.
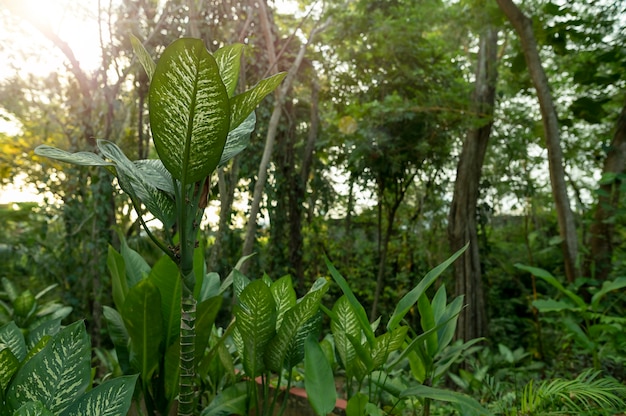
<point x="78" y="158"/>
<point x="133" y="182"/>
<point x="112" y="398"/>
<point x="33" y="409"/>
<point x="256" y="322"/>
<point x="155" y="173"/>
<point x="8" y="366"/>
<point x="386" y="344"/>
<point x="243" y="104"/>
<point x="189" y="111"/>
<point x="238" y="139"/>
<point x="284" y="295"/>
<point x="293" y="320"/>
<point x="228" y="60"/>
<point x="43" y="341"/>
<point x="295" y="350"/>
<point x="142" y="54"/>
<point x="49" y="327"/>
<point x="346" y="324"/>
<point x="57" y="375"/>
<point x="12" y="338"/>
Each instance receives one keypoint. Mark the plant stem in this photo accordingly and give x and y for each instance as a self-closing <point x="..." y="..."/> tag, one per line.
<point x="187" y="353"/>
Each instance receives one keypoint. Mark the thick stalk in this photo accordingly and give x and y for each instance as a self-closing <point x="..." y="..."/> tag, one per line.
<point x="189" y="215"/>
<point x="187" y="352"/>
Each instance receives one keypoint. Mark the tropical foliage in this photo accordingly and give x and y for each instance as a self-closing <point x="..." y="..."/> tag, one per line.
<point x="162" y="232"/>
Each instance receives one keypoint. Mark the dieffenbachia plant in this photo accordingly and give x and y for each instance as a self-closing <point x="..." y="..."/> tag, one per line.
<point x="197" y="124"/>
<point x="48" y="372"/>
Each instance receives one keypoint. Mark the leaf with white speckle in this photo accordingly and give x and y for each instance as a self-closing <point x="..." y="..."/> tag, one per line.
<point x="57" y="375"/>
<point x="112" y="398"/>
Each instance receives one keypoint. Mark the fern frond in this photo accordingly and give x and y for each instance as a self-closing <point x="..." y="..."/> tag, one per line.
<point x="588" y="391"/>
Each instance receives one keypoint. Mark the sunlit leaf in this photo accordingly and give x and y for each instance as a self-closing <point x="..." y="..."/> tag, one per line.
<point x="78" y="158"/>
<point x="144" y="57"/>
<point x="243" y="104"/>
<point x="228" y="60"/>
<point x="189" y="110"/>
<point x="238" y="139"/>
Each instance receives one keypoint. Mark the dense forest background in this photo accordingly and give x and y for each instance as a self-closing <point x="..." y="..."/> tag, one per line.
<point x="404" y="130"/>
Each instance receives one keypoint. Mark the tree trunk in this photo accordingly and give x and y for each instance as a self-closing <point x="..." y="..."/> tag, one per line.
<point x="400" y="188"/>
<point x="567" y="227"/>
<point x="598" y="265"/>
<point x="462" y="224"/>
<point x="270" y="139"/>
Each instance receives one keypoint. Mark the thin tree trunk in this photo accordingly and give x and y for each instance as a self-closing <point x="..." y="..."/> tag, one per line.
<point x="567" y="227"/>
<point x="401" y="188"/>
<point x="472" y="322"/>
<point x="270" y="139"/>
<point x="599" y="263"/>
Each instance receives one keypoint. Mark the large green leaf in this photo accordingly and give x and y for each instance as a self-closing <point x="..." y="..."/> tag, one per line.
<point x="144" y="323"/>
<point x="189" y="110"/>
<point x="58" y="374"/>
<point x="243" y="104"/>
<point x="112" y="398"/>
<point x="166" y="277"/>
<point x="228" y="59"/>
<point x="319" y="381"/>
<point x="11" y="337"/>
<point x="230" y="401"/>
<point x="293" y="320"/>
<point x="256" y="322"/>
<point x="408" y="300"/>
<point x="136" y="266"/>
<point x="78" y="158"/>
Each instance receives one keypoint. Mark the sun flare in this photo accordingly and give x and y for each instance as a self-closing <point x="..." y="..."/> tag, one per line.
<point x="73" y="23"/>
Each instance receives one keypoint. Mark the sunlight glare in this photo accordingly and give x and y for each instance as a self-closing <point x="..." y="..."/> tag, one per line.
<point x="75" y="23"/>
